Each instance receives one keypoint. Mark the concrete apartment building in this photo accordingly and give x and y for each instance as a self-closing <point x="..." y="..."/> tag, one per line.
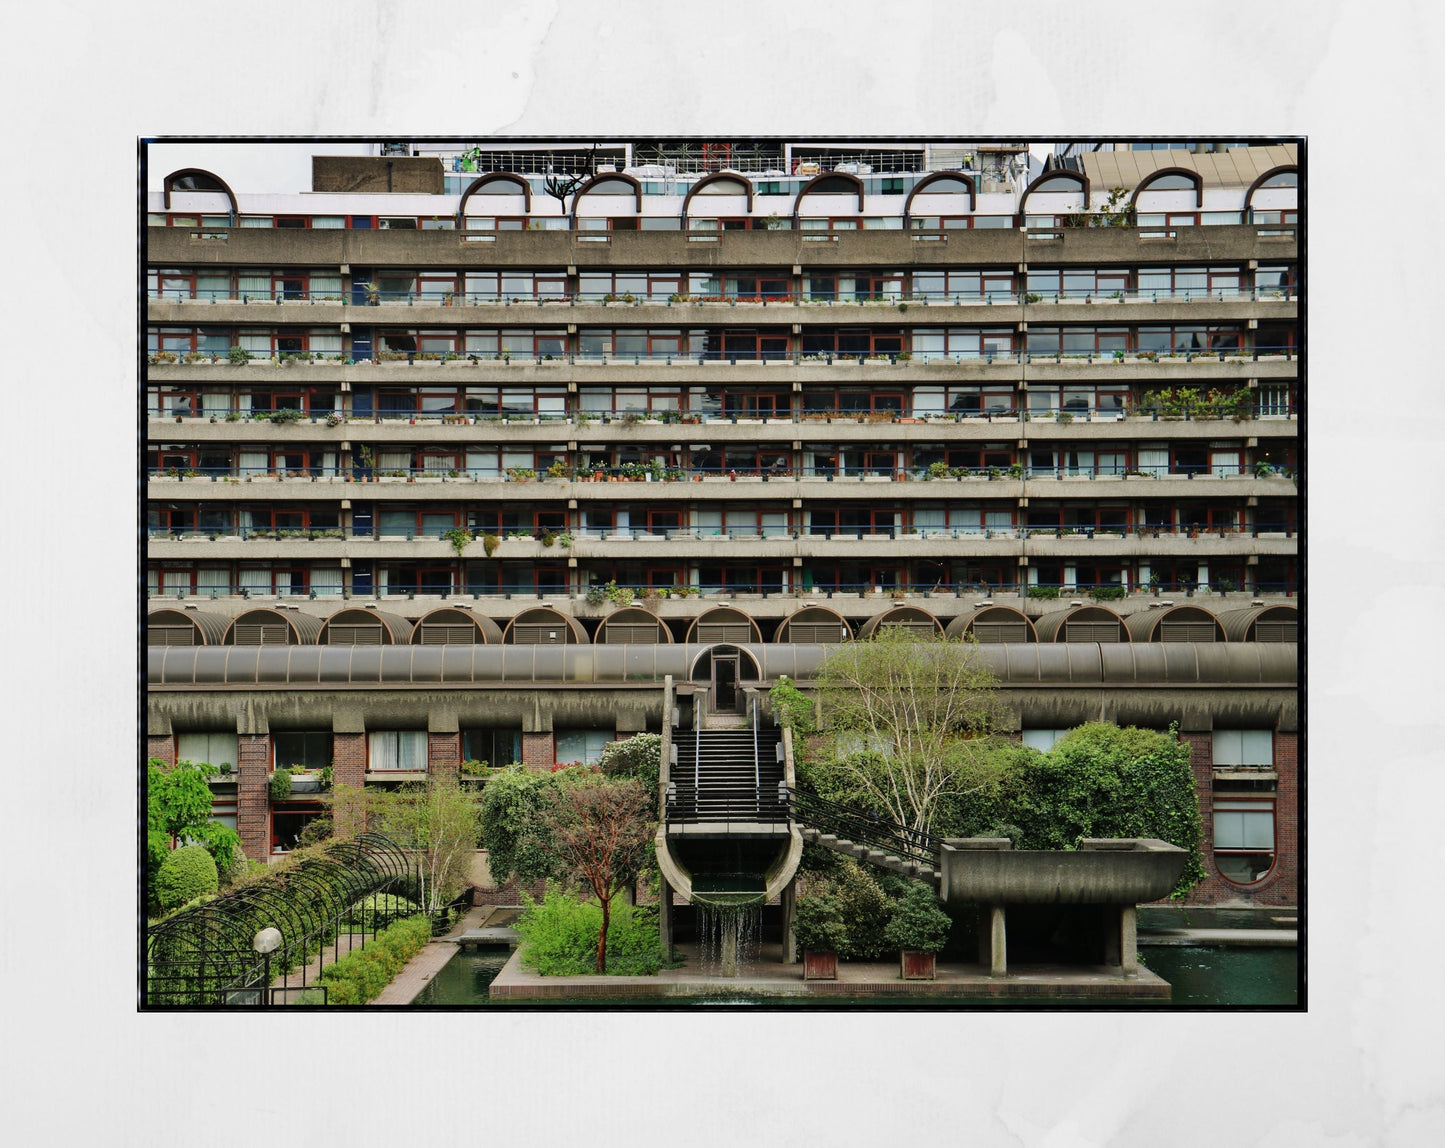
<point x="717" y="407"/>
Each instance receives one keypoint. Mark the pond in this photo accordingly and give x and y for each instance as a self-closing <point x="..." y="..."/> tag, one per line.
<point x="1201" y="977"/>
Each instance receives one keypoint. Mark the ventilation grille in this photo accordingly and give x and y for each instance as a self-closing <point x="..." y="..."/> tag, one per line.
<point x="914" y="627"/>
<point x="815" y="633"/>
<point x="366" y="635"/>
<point x="1186" y="631"/>
<point x="991" y="633"/>
<point x="170" y="635"/>
<point x="268" y="635"/>
<point x="1276" y="631"/>
<point x="1091" y="631"/>
<point x="442" y="634"/>
<point x="709" y="632"/>
<point x="627" y="633"/>
<point x="539" y="633"/>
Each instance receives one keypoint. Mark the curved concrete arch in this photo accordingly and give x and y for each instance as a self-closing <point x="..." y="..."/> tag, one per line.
<point x="1155" y="625"/>
<point x="1076" y="177"/>
<point x="1002" y="617"/>
<point x="729" y="616"/>
<point x="827" y="176"/>
<point x="486" y="632"/>
<point x="634" y="616"/>
<point x="494" y="177"/>
<point x="395" y="630"/>
<point x="210" y="629"/>
<point x="170" y="181"/>
<point x="606" y="175"/>
<point x="1266" y="177"/>
<point x="301" y="629"/>
<point x="706" y="652"/>
<point x="1154" y="176"/>
<point x="576" y="635"/>
<point x="914" y="618"/>
<point x="940" y="177"/>
<point x="1054" y="626"/>
<point x="817" y="619"/>
<point x="717" y="177"/>
<point x="1244" y="625"/>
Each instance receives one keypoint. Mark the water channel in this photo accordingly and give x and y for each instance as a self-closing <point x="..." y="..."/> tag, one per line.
<point x="1201" y="977"/>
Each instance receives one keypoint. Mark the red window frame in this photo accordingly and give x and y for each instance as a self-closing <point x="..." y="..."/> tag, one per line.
<point x="426" y="577"/>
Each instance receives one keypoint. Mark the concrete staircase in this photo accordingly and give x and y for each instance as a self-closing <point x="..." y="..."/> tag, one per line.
<point x="715" y="777"/>
<point x="871" y="856"/>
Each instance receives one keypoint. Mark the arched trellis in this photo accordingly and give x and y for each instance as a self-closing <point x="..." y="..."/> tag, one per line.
<point x="169" y="185"/>
<point x="204" y="955"/>
<point x="939" y="177"/>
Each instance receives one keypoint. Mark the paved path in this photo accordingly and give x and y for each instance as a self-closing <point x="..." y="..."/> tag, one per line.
<point x="426" y="964"/>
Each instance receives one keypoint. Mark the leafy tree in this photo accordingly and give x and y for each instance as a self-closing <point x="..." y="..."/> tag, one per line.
<point x="918" y="709"/>
<point x="178" y="807"/>
<point x="437" y="821"/>
<point x="599" y="832"/>
<point x="1101" y="780"/>
<point x="511" y="826"/>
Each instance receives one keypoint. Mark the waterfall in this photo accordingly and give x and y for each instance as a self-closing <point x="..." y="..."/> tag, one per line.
<point x="729" y="935"/>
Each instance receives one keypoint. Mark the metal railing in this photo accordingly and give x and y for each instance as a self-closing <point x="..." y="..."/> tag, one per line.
<point x="863" y="827"/>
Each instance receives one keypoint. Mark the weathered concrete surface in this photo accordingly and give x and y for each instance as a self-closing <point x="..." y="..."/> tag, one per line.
<point x="1112" y="872"/>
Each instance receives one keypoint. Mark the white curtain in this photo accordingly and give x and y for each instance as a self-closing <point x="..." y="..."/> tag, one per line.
<point x="212" y="748"/>
<point x="326" y="579"/>
<point x="213" y="580"/>
<point x="398" y="750"/>
<point x="258" y="581"/>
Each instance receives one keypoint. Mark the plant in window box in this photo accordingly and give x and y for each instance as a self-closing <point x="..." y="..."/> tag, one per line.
<point x="820" y="932"/>
<point x="918" y="929"/>
<point x="490" y="542"/>
<point x="279" y="786"/>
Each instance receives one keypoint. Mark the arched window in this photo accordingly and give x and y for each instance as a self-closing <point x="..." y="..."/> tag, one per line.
<point x="194" y="179"/>
<point x="830" y="183"/>
<point x="1169" y="179"/>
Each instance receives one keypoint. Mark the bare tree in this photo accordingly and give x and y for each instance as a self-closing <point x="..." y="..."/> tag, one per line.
<point x="559" y="185"/>
<point x="600" y="831"/>
<point x="919" y="710"/>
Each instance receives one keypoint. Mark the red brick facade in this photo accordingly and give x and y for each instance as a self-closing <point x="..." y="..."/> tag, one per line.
<point x="539" y="750"/>
<point x="163" y="746"/>
<point x="443" y="754"/>
<point x="253" y="801"/>
<point x="1281" y="885"/>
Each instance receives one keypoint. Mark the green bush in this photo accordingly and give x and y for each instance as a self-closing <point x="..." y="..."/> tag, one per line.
<point x="559" y="935"/>
<point x="280" y="785"/>
<point x="512" y="804"/>
<point x="360" y="976"/>
<point x="917" y="922"/>
<point x="640" y="756"/>
<point x="189" y="872"/>
<point x="818" y="923"/>
<point x="387" y="905"/>
<point x="866" y="910"/>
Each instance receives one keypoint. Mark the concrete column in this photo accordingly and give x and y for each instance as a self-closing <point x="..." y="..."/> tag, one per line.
<point x="1129" y="940"/>
<point x="998" y="942"/>
<point x="664" y="918"/>
<point x="537" y="750"/>
<point x="444" y="754"/>
<point x="790" y="906"/>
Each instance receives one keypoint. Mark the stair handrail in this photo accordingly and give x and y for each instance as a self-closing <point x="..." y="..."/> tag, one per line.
<point x="757" y="769"/>
<point x="863" y="827"/>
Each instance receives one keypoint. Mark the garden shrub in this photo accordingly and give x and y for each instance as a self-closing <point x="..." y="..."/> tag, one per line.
<point x="559" y="935"/>
<point x="866" y="910"/>
<point x="189" y="872"/>
<point x="361" y="976"/>
<point x="917" y="922"/>
<point x="388" y="905"/>
<point x="280" y="785"/>
<point x="639" y="756"/>
<point x="818" y="923"/>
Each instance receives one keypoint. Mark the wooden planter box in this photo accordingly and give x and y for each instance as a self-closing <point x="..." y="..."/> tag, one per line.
<point x="917" y="966"/>
<point x="819" y="966"/>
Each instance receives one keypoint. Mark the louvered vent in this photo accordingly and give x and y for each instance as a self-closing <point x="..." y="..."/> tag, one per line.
<point x="815" y="633"/>
<point x="1091" y="631"/>
<point x="709" y="632"/>
<point x="170" y="635"/>
<point x="354" y="635"/>
<point x="441" y="634"/>
<point x="1276" y="631"/>
<point x="539" y="633"/>
<point x="261" y="635"/>
<point x="1186" y="631"/>
<point x="629" y="633"/>
<point x="915" y="627"/>
<point x="992" y="633"/>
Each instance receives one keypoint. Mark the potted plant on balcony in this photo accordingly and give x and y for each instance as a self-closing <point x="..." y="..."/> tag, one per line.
<point x="820" y="932"/>
<point x="918" y="929"/>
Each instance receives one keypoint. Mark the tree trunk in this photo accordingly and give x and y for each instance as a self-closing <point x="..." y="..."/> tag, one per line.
<point x="602" y="936"/>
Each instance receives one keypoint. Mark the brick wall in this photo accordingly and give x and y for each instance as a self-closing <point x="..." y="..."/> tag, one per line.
<point x="538" y="750"/>
<point x="253" y="803"/>
<point x="1281" y="886"/>
<point x="444" y="754"/>
<point x="163" y="746"/>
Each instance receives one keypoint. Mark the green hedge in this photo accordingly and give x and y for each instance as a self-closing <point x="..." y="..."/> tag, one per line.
<point x="559" y="935"/>
<point x="189" y="872"/>
<point x="360" y="976"/>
